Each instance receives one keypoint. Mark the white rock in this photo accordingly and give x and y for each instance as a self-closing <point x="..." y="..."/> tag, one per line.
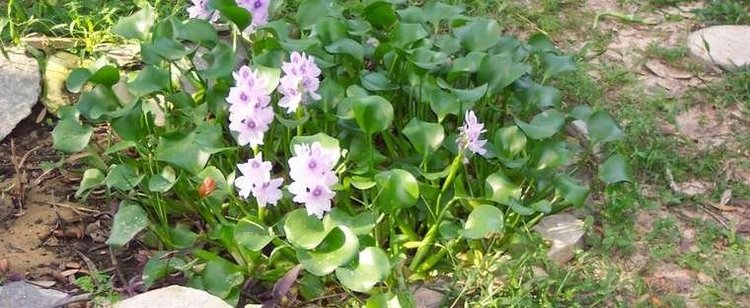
<point x="728" y="46"/>
<point x="173" y="297"/>
<point x="20" y="84"/>
<point x="428" y="298"/>
<point x="565" y="232"/>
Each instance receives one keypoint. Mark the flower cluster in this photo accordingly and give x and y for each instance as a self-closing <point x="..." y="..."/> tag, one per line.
<point x="469" y="134"/>
<point x="300" y="81"/>
<point x="259" y="10"/>
<point x="256" y="180"/>
<point x="200" y="10"/>
<point x="313" y="177"/>
<point x="250" y="113"/>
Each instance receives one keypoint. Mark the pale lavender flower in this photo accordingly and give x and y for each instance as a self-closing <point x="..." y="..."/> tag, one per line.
<point x="300" y="81"/>
<point x="250" y="127"/>
<point x="259" y="11"/>
<point x="470" y="133"/>
<point x="268" y="192"/>
<point x="317" y="198"/>
<point x="250" y="113"/>
<point x="254" y="173"/>
<point x="200" y="10"/>
<point x="310" y="170"/>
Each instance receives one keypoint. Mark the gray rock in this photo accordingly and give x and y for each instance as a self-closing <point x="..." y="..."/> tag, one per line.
<point x="428" y="298"/>
<point x="21" y="85"/>
<point x="173" y="297"/>
<point x="728" y="46"/>
<point x="565" y="233"/>
<point x="24" y="295"/>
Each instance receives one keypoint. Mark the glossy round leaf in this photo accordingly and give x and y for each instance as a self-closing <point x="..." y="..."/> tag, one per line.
<point x="220" y="62"/>
<point x="92" y="178"/>
<point x="479" y="35"/>
<point x="499" y="188"/>
<point x="123" y="177"/>
<point x="163" y="181"/>
<point x="221" y="276"/>
<point x="424" y="136"/>
<point x="499" y="71"/>
<point x="128" y="221"/>
<point x="347" y="46"/>
<point x="509" y="141"/>
<point x="372" y="267"/>
<point x="252" y="235"/>
<point x="554" y="65"/>
<point x="543" y="125"/>
<point x="404" y="34"/>
<point x="614" y="170"/>
<point x="136" y="26"/>
<point x="97" y="103"/>
<point x="310" y="11"/>
<point x="373" y="113"/>
<point x="339" y="247"/>
<point x="377" y="81"/>
<point x="380" y="13"/>
<point x="70" y="136"/>
<point x="570" y="190"/>
<point x="360" y="224"/>
<point x="398" y="189"/>
<point x="483" y="221"/>
<point x="602" y="128"/>
<point x="150" y="79"/>
<point x="303" y="230"/>
<point x="77" y="79"/>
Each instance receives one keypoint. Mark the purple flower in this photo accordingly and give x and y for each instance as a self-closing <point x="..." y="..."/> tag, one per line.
<point x="268" y="192"/>
<point x="300" y="81"/>
<point x="259" y="10"/>
<point x="317" y="198"/>
<point x="250" y="113"/>
<point x="200" y="10"/>
<point x="310" y="170"/>
<point x="254" y="173"/>
<point x="470" y="132"/>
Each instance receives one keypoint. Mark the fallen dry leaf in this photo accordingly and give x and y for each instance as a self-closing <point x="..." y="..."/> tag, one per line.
<point x="662" y="70"/>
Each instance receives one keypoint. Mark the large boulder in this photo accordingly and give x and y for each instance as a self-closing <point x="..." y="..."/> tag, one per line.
<point x="725" y="46"/>
<point x="173" y="297"/>
<point x="21" y="84"/>
<point x="565" y="234"/>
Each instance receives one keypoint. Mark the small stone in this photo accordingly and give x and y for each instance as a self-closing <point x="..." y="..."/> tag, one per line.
<point x="427" y="298"/>
<point x="173" y="297"/>
<point x="724" y="46"/>
<point x="25" y="295"/>
<point x="56" y="72"/>
<point x="20" y="83"/>
<point x="124" y="55"/>
<point x="565" y="232"/>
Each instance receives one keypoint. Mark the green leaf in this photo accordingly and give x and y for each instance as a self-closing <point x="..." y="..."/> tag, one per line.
<point x="156" y="268"/>
<point x="614" y="170"/>
<point x="509" y="141"/>
<point x="327" y="142"/>
<point x="169" y="49"/>
<point x="426" y="137"/>
<point x="234" y="13"/>
<point x="543" y="97"/>
<point x="404" y="34"/>
<point x="347" y="46"/>
<point x="338" y="248"/>
<point x="466" y="65"/>
<point x="132" y="123"/>
<point x="550" y="155"/>
<point x="92" y="178"/>
<point x="484" y="221"/>
<point x="361" y="224"/>
<point x="221" y="276"/>
<point x="163" y="181"/>
<point x="519" y="208"/>
<point x="398" y="189"/>
<point x="123" y="177"/>
<point x="389" y="300"/>
<point x="380" y="13"/>
<point x="97" y="103"/>
<point x="541" y="42"/>
<point x="77" y="79"/>
<point x="310" y="11"/>
<point x="372" y="267"/>
<point x="553" y="64"/>
<point x="271" y="75"/>
<point x="542" y="206"/>
<point x="107" y="75"/>
<point x="436" y="11"/>
<point x="182" y="237"/>
<point x="303" y="230"/>
<point x="499" y="188"/>
<point x="444" y="103"/>
<point x="602" y="128"/>
<point x="330" y="29"/>
<point x="150" y="79"/>
<point x="136" y="26"/>
<point x="252" y="235"/>
<point x="220" y="62"/>
<point x="190" y="151"/>
<point x="543" y="125"/>
<point x="311" y="287"/>
<point x="69" y="135"/>
<point x="128" y="221"/>
<point x="499" y="71"/>
<point x="373" y="114"/>
<point x="377" y="81"/>
<point x="198" y="31"/>
<point x="571" y="191"/>
<point x="479" y="35"/>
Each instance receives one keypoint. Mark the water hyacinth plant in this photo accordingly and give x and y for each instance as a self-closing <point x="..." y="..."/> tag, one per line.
<point x="367" y="142"/>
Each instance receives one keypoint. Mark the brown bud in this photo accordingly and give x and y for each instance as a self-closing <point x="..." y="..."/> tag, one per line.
<point x="206" y="187"/>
